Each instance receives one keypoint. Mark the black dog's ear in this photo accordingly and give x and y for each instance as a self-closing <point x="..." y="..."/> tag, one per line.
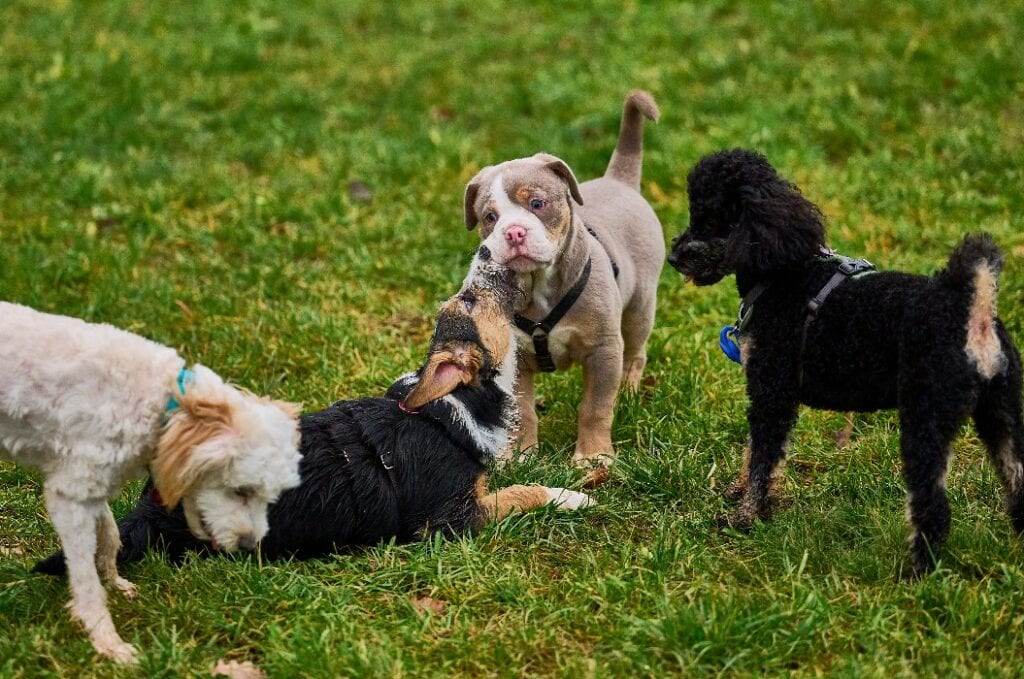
<point x="776" y="226"/>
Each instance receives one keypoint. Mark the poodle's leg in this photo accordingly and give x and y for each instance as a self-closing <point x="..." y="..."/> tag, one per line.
<point x="499" y="504"/>
<point x="997" y="418"/>
<point x="771" y="420"/>
<point x="106" y="554"/>
<point x="928" y="423"/>
<point x="76" y="524"/>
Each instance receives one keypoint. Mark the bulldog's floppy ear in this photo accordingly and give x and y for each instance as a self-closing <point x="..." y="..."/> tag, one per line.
<point x="446" y="369"/>
<point x="561" y="168"/>
<point x="469" y="200"/>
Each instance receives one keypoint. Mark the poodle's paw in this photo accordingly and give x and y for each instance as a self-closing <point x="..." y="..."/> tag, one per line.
<point x="568" y="500"/>
<point x="735" y="491"/>
<point x="126" y="588"/>
<point x="739" y="521"/>
<point x="117" y="650"/>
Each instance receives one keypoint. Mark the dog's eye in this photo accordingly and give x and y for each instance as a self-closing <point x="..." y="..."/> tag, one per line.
<point x="537" y="204"/>
<point x="490" y="217"/>
<point x="468" y="300"/>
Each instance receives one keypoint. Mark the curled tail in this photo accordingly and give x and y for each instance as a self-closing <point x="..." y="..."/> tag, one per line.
<point x="974" y="266"/>
<point x="628" y="156"/>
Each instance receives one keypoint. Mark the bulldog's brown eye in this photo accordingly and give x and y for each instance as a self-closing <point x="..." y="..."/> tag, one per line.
<point x="469" y="301"/>
<point x="490" y="217"/>
<point x="537" y="204"/>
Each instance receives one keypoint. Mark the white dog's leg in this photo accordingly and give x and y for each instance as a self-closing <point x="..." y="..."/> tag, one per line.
<point x="76" y="524"/>
<point x="106" y="554"/>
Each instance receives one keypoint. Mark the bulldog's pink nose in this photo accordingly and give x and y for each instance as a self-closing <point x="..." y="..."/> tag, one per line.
<point x="515" y="235"/>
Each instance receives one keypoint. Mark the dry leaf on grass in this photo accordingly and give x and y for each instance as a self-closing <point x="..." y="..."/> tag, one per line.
<point x="425" y="604"/>
<point x="238" y="670"/>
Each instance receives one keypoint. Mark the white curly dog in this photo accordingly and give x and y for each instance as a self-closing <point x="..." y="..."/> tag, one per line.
<point x="92" y="406"/>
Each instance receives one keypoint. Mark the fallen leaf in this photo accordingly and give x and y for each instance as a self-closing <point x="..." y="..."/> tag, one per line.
<point x="238" y="670"/>
<point x="425" y="604"/>
<point x="595" y="477"/>
<point x="359" y="192"/>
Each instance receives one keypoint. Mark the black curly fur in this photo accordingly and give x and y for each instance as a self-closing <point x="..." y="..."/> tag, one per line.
<point x="884" y="340"/>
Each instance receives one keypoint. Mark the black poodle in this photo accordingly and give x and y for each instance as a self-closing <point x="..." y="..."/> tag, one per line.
<point x="829" y="332"/>
<point x="402" y="467"/>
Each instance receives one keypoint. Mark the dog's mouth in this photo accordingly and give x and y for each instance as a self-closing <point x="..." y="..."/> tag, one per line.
<point x="522" y="263"/>
<point x="199" y="526"/>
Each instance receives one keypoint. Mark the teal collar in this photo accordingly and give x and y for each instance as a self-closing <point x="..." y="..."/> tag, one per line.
<point x="185" y="377"/>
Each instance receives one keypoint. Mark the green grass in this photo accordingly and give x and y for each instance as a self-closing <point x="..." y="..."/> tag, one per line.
<point x="183" y="171"/>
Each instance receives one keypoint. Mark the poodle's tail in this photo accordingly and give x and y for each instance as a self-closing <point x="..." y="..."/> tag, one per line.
<point x="628" y="156"/>
<point x="135" y="531"/>
<point x="974" y="266"/>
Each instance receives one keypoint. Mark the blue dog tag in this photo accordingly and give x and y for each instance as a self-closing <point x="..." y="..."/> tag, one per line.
<point x="727" y="343"/>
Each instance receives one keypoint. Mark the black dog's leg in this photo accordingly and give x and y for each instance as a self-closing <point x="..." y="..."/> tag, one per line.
<point x="997" y="418"/>
<point x="771" y="420"/>
<point x="927" y="432"/>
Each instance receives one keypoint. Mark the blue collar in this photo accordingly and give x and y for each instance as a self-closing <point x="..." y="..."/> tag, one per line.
<point x="185" y="377"/>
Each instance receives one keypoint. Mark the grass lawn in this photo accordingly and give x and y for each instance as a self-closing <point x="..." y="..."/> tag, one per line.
<point x="185" y="171"/>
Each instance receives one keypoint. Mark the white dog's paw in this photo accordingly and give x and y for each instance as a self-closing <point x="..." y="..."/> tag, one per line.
<point x="128" y="589"/>
<point x="117" y="650"/>
<point x="568" y="500"/>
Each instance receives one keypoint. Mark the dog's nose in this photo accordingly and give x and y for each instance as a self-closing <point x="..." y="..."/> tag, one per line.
<point x="247" y="542"/>
<point x="515" y="235"/>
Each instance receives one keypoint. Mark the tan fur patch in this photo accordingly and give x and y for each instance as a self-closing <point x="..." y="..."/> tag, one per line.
<point x="983" y="347"/>
<point x="496" y="506"/>
<point x="175" y="468"/>
<point x="746" y="348"/>
<point x="522" y="194"/>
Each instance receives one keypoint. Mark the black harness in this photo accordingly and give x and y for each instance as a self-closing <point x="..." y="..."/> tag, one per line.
<point x="848" y="268"/>
<point x="539" y="330"/>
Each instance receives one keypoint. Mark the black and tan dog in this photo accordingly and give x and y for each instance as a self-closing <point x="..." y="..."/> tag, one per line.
<point x="401" y="467"/>
<point x="827" y="332"/>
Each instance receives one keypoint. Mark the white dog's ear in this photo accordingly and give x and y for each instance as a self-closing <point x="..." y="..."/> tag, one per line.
<point x="469" y="199"/>
<point x="561" y="168"/>
<point x="197" y="440"/>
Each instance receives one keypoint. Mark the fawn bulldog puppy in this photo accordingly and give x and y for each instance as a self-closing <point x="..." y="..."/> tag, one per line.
<point x="588" y="257"/>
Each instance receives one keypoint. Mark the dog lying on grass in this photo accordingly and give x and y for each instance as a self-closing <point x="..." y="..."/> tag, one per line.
<point x="830" y="333"/>
<point x="92" y="406"/>
<point x="401" y="467"/>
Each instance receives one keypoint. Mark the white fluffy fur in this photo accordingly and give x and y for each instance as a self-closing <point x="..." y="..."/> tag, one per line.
<point x="85" y="404"/>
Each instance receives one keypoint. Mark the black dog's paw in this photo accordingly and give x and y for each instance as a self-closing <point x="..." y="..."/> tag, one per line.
<point x="735" y="491"/>
<point x="741" y="522"/>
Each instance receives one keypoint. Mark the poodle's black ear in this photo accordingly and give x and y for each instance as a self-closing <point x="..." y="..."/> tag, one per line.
<point x="776" y="226"/>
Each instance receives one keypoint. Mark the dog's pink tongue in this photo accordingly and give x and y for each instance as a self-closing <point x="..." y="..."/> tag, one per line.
<point x="447" y="371"/>
<point x="213" y="543"/>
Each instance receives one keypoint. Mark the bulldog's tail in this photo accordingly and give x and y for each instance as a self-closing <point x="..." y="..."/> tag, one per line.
<point x="628" y="156"/>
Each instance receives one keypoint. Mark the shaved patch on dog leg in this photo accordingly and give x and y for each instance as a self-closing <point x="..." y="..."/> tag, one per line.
<point x="983" y="347"/>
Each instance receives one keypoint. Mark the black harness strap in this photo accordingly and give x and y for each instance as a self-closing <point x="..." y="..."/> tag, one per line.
<point x="615" y="267"/>
<point x="539" y="330"/>
<point x="848" y="268"/>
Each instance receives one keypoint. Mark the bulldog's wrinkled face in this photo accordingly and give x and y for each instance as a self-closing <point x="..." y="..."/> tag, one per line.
<point x="524" y="211"/>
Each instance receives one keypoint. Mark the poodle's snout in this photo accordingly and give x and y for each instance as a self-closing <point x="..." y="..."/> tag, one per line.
<point x="247" y="542"/>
